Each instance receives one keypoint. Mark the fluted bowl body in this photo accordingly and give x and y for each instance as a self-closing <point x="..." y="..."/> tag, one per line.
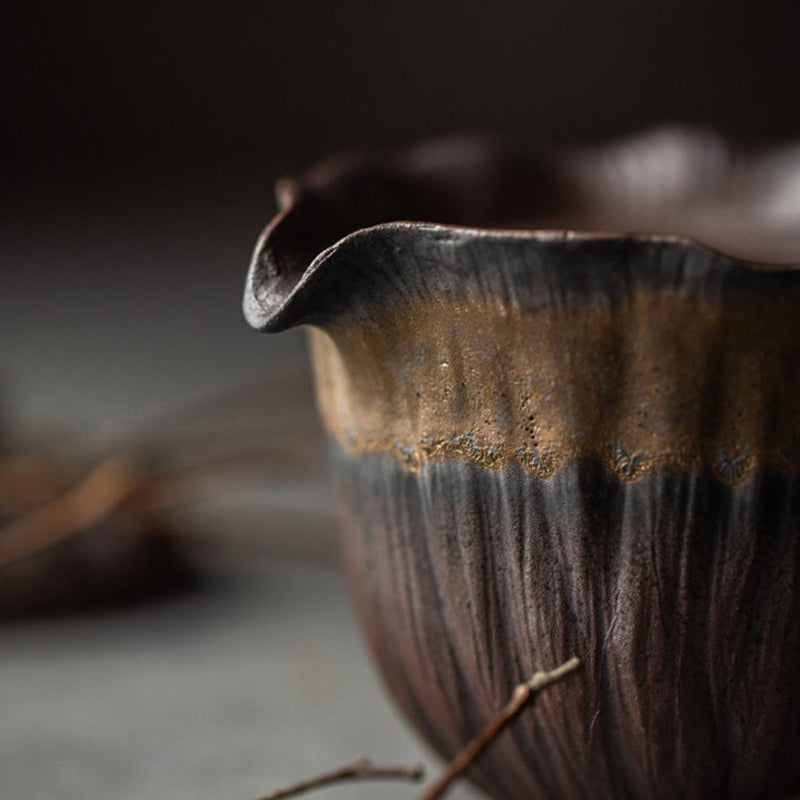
<point x="551" y="443"/>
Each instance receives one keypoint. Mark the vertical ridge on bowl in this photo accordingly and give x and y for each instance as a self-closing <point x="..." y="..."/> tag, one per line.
<point x="680" y="595"/>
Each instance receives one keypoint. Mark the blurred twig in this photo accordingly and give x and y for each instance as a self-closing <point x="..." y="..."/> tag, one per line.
<point x="266" y="428"/>
<point x="121" y="483"/>
<point x="30" y="479"/>
<point x="104" y="489"/>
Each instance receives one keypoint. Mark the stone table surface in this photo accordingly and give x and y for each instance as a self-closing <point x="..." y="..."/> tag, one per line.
<point x="254" y="680"/>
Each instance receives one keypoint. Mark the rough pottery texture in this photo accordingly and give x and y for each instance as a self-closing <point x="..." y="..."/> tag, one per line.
<point x="552" y="443"/>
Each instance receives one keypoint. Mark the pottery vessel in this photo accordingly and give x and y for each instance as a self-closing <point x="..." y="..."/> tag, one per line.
<point x="563" y="396"/>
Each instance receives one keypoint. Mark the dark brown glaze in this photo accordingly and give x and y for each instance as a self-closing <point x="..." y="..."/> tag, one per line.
<point x="681" y="596"/>
<point x="553" y="443"/>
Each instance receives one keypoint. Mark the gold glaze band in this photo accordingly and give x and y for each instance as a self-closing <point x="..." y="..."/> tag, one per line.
<point x="661" y="380"/>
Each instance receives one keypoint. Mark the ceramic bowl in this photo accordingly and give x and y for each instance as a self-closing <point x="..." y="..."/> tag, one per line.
<point x="564" y="400"/>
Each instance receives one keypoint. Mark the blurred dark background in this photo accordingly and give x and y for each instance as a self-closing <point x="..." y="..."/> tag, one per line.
<point x="177" y="92"/>
<point x="140" y="143"/>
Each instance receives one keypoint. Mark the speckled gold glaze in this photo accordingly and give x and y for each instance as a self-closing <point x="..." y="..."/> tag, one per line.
<point x="659" y="381"/>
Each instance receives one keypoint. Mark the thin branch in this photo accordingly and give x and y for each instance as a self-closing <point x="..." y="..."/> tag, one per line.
<point x="361" y="769"/>
<point x="523" y="695"/>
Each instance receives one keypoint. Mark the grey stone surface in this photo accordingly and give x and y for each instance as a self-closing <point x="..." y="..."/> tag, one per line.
<point x="255" y="681"/>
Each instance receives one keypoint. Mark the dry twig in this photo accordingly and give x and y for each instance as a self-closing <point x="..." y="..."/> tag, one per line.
<point x="523" y="696"/>
<point x="362" y="769"/>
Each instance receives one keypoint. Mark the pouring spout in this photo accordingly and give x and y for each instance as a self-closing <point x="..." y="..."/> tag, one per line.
<point x="464" y="181"/>
<point x="669" y="183"/>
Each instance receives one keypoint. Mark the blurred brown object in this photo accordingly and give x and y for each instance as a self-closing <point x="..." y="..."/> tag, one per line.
<point x="106" y="523"/>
